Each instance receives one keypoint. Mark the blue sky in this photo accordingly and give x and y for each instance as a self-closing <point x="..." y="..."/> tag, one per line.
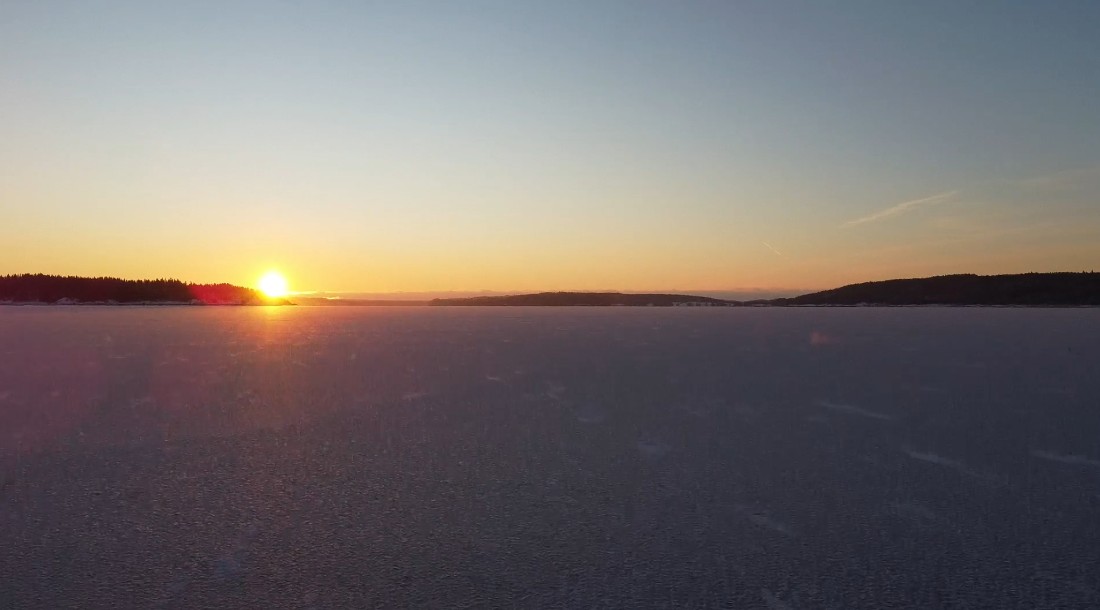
<point x="557" y="145"/>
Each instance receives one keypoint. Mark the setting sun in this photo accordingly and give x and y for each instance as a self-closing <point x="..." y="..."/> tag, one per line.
<point x="273" y="284"/>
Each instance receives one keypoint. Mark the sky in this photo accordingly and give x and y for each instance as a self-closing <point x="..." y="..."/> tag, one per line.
<point x="518" y="146"/>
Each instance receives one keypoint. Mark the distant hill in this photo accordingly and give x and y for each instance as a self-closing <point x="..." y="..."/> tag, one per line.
<point x="589" y="299"/>
<point x="39" y="288"/>
<point x="1025" y="289"/>
<point x="1034" y="289"/>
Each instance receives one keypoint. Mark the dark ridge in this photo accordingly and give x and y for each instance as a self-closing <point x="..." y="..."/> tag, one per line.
<point x="40" y="288"/>
<point x="589" y="299"/>
<point x="1027" y="289"/>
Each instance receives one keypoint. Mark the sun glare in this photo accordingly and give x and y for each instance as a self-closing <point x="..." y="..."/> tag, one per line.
<point x="273" y="284"/>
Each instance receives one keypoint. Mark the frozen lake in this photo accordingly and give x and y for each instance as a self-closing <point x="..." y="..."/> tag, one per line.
<point x="424" y="457"/>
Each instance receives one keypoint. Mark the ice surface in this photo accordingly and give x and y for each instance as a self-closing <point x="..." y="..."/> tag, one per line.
<point x="761" y="518"/>
<point x="772" y="602"/>
<point x="426" y="457"/>
<point x="933" y="458"/>
<point x="843" y="408"/>
<point x="1066" y="459"/>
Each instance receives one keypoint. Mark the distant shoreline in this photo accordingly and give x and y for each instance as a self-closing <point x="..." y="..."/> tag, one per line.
<point x="383" y="303"/>
<point x="41" y="289"/>
<point x="1042" y="290"/>
<point x="967" y="290"/>
<point x="135" y="304"/>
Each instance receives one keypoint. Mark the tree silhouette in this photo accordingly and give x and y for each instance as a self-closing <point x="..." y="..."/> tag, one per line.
<point x="40" y="288"/>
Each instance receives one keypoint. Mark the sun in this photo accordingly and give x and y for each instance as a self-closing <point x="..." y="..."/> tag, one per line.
<point x="274" y="285"/>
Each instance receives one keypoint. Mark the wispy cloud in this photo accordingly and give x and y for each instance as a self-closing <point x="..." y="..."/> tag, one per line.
<point x="773" y="249"/>
<point x="903" y="207"/>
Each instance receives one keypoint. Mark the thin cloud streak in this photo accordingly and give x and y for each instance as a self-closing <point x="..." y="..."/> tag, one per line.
<point x="772" y="248"/>
<point x="903" y="207"/>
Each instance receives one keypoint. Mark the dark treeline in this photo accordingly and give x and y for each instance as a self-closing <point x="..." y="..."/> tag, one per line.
<point x="968" y="289"/>
<point x="39" y="288"/>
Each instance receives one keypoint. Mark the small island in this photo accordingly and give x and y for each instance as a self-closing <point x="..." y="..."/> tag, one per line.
<point x="72" y="290"/>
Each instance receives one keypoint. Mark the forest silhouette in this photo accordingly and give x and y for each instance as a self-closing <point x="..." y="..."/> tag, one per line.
<point x="41" y="288"/>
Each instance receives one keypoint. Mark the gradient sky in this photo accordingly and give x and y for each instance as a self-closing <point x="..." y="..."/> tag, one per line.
<point x="417" y="146"/>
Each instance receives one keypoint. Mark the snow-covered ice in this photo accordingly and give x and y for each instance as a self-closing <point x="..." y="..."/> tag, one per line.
<point x="580" y="457"/>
